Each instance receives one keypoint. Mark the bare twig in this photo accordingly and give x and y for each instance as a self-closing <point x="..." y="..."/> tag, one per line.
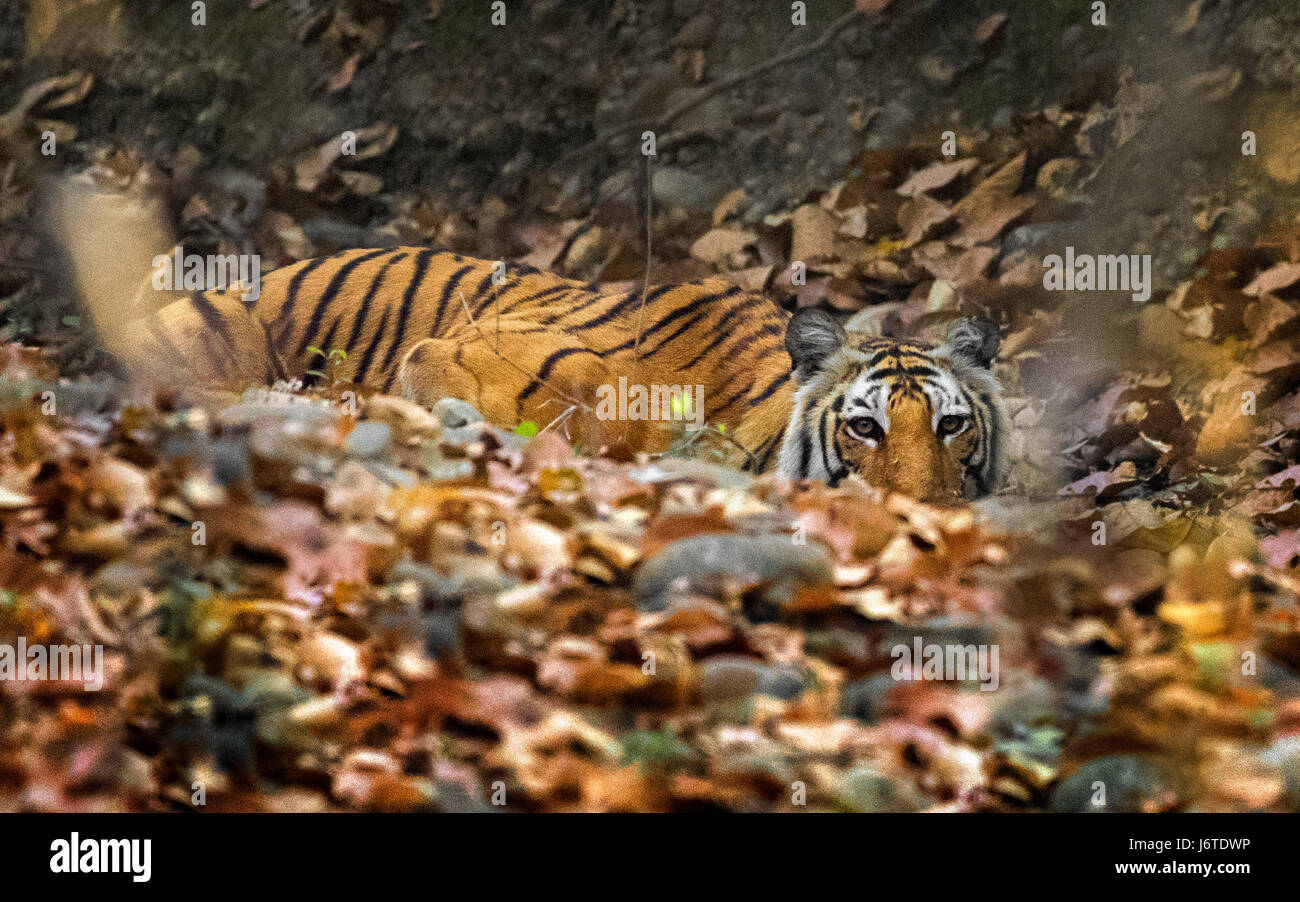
<point x="649" y="256"/>
<point x="718" y="87"/>
<point x="561" y="420"/>
<point x="473" y="322"/>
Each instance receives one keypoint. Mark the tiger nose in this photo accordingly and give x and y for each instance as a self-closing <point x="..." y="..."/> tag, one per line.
<point x="923" y="478"/>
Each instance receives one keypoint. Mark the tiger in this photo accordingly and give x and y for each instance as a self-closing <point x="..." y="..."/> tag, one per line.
<point x="798" y="393"/>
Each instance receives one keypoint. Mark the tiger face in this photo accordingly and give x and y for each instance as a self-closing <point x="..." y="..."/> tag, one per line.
<point x="924" y="421"/>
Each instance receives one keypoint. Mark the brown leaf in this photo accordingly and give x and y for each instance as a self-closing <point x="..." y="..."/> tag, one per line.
<point x="813" y="234"/>
<point x="1284" y="275"/>
<point x="936" y="176"/>
<point x="988" y="29"/>
<point x="344" y="76"/>
<point x="921" y="217"/>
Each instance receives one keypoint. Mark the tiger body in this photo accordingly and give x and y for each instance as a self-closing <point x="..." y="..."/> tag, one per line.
<point x="535" y="346"/>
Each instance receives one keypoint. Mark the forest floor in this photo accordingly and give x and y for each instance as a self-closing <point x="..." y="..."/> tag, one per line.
<point x="306" y="604"/>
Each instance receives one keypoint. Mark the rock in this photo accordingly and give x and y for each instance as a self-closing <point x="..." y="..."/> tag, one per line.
<point x="266" y="408"/>
<point x="674" y="187"/>
<point x="735" y="676"/>
<point x="408" y="419"/>
<point x="711" y="118"/>
<point x="670" y="469"/>
<point x="228" y="457"/>
<point x="1132" y="783"/>
<point x="1026" y="703"/>
<point x="439" y="466"/>
<point x="1038" y="238"/>
<point x="865" y="789"/>
<point x="866" y="699"/>
<point x="437" y="590"/>
<point x="891" y="126"/>
<point x="706" y="562"/>
<point x="655" y="86"/>
<point x="369" y="439"/>
<point x="456" y="414"/>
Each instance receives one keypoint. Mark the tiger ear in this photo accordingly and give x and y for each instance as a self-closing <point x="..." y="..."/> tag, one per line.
<point x="811" y="337"/>
<point x="974" y="341"/>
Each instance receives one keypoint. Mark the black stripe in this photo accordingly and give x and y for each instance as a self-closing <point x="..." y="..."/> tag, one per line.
<point x="894" y="350"/>
<point x="839" y="475"/>
<point x="327" y="297"/>
<point x="422" y="260"/>
<point x="732" y="399"/>
<point x="675" y="315"/>
<point x="762" y="455"/>
<point x="693" y="321"/>
<point x="705" y="307"/>
<point x="721" y="327"/>
<point x="446" y="294"/>
<point x="805" y="455"/>
<point x="370" y="350"/>
<point x="213" y="319"/>
<point x="924" y="372"/>
<point x="486" y="287"/>
<point x="363" y="307"/>
<point x="283" y="319"/>
<point x="547" y="366"/>
<point x="742" y="344"/>
<point x="631" y="298"/>
<point x="771" y="388"/>
<point x="277" y="365"/>
<point x="325" y="348"/>
<point x="536" y="296"/>
<point x="821" y="429"/>
<point x="571" y="306"/>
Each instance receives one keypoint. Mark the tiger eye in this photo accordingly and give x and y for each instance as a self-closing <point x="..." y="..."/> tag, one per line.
<point x="951" y="424"/>
<point x="866" y="428"/>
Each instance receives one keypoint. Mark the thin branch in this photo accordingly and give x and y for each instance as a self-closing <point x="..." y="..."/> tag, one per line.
<point x="649" y="256"/>
<point x="561" y="420"/>
<point x="473" y="322"/>
<point x="718" y="87"/>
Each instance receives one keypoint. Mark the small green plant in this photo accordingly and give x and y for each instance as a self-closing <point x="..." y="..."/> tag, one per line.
<point x="659" y="751"/>
<point x="332" y="361"/>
